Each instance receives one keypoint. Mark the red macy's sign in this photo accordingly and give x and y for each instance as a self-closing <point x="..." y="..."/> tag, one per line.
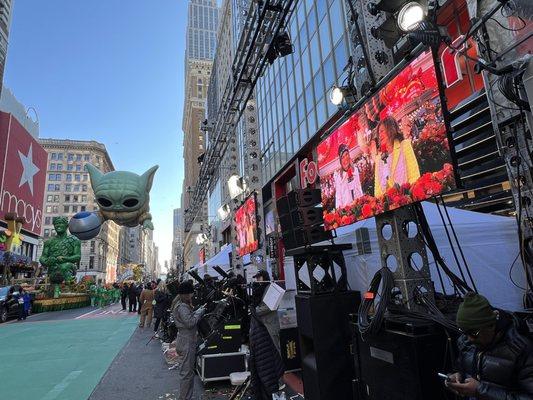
<point x="22" y="174"/>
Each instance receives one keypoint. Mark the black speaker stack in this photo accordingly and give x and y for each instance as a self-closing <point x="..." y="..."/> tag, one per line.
<point x="301" y="218"/>
<point x="402" y="361"/>
<point x="325" y="341"/>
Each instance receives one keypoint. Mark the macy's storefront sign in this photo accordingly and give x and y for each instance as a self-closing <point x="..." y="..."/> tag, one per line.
<point x="33" y="217"/>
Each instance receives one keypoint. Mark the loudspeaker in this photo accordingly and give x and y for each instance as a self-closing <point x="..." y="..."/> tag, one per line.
<point x="303" y="198"/>
<point x="325" y="344"/>
<point x="307" y="216"/>
<point x="401" y="362"/>
<point x="282" y="205"/>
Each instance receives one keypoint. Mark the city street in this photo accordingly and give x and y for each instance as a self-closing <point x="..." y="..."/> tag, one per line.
<point x="83" y="354"/>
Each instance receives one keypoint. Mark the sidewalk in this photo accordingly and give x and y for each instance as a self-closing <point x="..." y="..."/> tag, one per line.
<point x="139" y="372"/>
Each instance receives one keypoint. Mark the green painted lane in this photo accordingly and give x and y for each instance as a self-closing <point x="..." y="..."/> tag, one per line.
<point x="59" y="360"/>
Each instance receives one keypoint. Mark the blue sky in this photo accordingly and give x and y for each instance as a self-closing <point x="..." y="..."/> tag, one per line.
<point x="111" y="71"/>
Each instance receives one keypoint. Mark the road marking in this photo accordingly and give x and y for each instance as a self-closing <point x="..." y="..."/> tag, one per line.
<point x="57" y="389"/>
<point x="83" y="315"/>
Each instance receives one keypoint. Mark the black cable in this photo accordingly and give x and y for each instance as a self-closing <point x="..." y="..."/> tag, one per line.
<point x="460" y="285"/>
<point x="371" y="326"/>
<point x="509" y="29"/>
<point x="511" y="273"/>
<point x="467" y="267"/>
<point x="451" y="243"/>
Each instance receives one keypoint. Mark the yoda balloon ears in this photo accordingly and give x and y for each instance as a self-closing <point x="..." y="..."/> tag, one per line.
<point x="123" y="197"/>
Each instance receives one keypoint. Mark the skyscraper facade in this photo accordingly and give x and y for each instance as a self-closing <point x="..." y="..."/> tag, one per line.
<point x="202" y="27"/>
<point x="5" y="21"/>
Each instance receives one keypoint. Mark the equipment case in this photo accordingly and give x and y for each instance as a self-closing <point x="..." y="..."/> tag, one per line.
<point x="218" y="367"/>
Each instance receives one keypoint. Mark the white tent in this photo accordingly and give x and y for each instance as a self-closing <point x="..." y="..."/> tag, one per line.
<point x="489" y="243"/>
<point x="221" y="259"/>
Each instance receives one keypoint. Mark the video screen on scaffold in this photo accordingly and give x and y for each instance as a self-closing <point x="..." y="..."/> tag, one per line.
<point x="246" y="226"/>
<point x="391" y="152"/>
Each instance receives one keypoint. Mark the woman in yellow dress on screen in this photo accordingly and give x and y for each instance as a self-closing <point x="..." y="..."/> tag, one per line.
<point x="395" y="162"/>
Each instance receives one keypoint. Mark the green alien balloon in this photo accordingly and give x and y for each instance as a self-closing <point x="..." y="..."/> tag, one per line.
<point x="123" y="197"/>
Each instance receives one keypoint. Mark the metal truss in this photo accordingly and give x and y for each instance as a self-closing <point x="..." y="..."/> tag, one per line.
<point x="265" y="19"/>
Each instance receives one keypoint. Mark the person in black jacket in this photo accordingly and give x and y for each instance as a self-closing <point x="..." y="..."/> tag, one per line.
<point x="124" y="295"/>
<point x="132" y="297"/>
<point x="162" y="303"/>
<point x="138" y="291"/>
<point x="495" y="355"/>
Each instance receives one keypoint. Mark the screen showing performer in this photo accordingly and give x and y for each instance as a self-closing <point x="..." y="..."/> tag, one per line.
<point x="246" y="225"/>
<point x="391" y="152"/>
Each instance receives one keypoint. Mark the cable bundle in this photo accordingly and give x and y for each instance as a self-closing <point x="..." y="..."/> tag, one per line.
<point x="370" y="326"/>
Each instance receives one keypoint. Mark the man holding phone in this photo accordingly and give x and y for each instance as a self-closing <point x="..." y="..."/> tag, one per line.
<point x="495" y="355"/>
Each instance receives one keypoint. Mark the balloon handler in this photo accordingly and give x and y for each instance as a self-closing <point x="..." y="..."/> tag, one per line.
<point x="61" y="255"/>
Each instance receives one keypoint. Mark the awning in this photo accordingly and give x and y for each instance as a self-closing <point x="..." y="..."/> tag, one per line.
<point x="221" y="259"/>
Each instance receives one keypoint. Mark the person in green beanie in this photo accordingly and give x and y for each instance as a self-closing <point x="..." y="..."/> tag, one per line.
<point x="495" y="354"/>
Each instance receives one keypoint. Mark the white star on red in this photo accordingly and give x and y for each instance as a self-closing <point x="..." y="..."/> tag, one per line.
<point x="29" y="169"/>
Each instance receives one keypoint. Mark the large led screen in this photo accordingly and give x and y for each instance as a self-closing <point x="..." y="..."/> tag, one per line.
<point x="391" y="152"/>
<point x="246" y="224"/>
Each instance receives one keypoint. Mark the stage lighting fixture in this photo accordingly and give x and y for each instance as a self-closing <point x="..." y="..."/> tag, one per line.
<point x="410" y="16"/>
<point x="281" y="47"/>
<point x="340" y="94"/>
<point x="224" y="211"/>
<point x="236" y="186"/>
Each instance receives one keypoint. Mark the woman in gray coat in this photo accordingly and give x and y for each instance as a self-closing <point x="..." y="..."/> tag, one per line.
<point x="186" y="319"/>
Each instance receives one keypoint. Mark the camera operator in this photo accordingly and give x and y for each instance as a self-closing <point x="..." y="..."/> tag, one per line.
<point x="266" y="365"/>
<point x="186" y="320"/>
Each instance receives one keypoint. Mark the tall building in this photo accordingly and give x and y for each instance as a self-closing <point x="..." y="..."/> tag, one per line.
<point x="5" y="22"/>
<point x="202" y="25"/>
<point x="176" y="261"/>
<point x="68" y="191"/>
<point x="201" y="33"/>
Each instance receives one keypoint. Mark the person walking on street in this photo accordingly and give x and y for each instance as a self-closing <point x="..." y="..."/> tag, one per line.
<point x="27" y="304"/>
<point x="20" y="300"/>
<point x="132" y="298"/>
<point x="186" y="320"/>
<point x="146" y="305"/>
<point x="162" y="302"/>
<point x="124" y="295"/>
<point x="138" y="292"/>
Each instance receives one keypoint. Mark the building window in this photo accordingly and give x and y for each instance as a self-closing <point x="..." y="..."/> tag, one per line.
<point x="91" y="262"/>
<point x="68" y="187"/>
<point x="84" y="188"/>
<point x="53" y="156"/>
<point x="49" y="198"/>
<point x="78" y="167"/>
<point x="70" y="157"/>
<point x="47" y="221"/>
<point x="60" y="156"/>
<point x="85" y="177"/>
<point x="51" y="177"/>
<point x="55" y="210"/>
<point x="67" y="198"/>
<point x="75" y="198"/>
<point x="87" y="157"/>
<point x="48" y="209"/>
<point x="65" y="209"/>
<point x="69" y="177"/>
<point x="57" y="188"/>
<point x="52" y="166"/>
<point x="84" y="198"/>
<point x="60" y="167"/>
<point x="70" y="167"/>
<point x="74" y="209"/>
<point x="78" y="157"/>
<point x="83" y="208"/>
<point x="92" y="246"/>
<point x="77" y="177"/>
<point x="56" y="198"/>
<point x="58" y="177"/>
<point x="76" y="188"/>
<point x="46" y="232"/>
<point x="50" y="187"/>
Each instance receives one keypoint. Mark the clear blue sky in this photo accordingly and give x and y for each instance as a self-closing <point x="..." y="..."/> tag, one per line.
<point x="111" y="71"/>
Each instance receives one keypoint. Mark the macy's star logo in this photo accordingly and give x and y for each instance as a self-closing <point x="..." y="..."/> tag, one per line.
<point x="29" y="169"/>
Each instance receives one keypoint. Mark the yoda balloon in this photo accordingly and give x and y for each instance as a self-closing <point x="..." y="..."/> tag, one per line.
<point x="123" y="197"/>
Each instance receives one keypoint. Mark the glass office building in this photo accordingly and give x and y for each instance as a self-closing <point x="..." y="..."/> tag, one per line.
<point x="292" y="96"/>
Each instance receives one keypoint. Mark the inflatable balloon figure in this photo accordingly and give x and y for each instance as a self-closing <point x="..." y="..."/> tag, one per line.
<point x="61" y="254"/>
<point x="123" y="197"/>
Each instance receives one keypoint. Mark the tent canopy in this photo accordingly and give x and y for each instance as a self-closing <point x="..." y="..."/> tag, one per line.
<point x="489" y="243"/>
